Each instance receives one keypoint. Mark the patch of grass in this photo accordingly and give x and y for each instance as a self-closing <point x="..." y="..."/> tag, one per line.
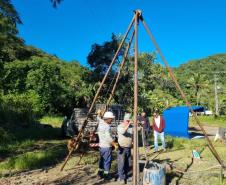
<point x="18" y="148"/>
<point x="13" y="148"/>
<point x="221" y="150"/>
<point x="209" y="121"/>
<point x="25" y="144"/>
<point x="175" y="143"/>
<point x="55" y="121"/>
<point x="33" y="146"/>
<point x="33" y="160"/>
<point x="90" y="159"/>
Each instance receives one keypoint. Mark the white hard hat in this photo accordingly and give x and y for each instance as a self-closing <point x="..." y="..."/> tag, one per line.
<point x="108" y="115"/>
<point x="127" y="116"/>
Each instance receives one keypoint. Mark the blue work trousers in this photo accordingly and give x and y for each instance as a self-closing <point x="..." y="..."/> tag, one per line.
<point x="105" y="160"/>
<point x="124" y="157"/>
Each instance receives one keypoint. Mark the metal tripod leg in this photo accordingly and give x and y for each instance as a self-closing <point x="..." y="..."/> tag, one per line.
<point x="116" y="81"/>
<point x="78" y="138"/>
<point x="212" y="149"/>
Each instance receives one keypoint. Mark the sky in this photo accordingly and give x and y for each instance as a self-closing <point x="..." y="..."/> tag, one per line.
<point x="184" y="29"/>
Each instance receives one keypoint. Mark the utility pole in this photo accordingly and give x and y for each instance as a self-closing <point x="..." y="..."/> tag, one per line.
<point x="216" y="96"/>
<point x="216" y="92"/>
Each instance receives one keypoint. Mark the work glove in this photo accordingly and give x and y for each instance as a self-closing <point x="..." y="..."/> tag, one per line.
<point x="115" y="145"/>
<point x="99" y="112"/>
<point x="71" y="144"/>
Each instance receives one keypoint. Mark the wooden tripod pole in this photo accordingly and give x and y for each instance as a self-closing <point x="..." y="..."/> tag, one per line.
<point x="78" y="138"/>
<point x="212" y="149"/>
<point x="135" y="132"/>
<point x="119" y="72"/>
<point x="115" y="84"/>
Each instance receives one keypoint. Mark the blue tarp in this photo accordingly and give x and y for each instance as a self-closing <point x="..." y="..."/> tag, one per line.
<point x="177" y="120"/>
<point x="198" y="108"/>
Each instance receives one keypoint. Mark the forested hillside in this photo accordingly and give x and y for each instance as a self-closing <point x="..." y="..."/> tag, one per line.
<point x="198" y="77"/>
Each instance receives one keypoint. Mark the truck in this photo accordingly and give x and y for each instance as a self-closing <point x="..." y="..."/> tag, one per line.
<point x="71" y="126"/>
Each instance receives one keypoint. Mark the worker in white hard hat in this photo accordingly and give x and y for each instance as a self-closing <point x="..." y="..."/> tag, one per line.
<point x="105" y="143"/>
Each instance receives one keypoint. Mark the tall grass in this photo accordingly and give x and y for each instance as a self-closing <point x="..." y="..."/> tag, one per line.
<point x="35" y="146"/>
<point x="32" y="160"/>
<point x="16" y="147"/>
<point x="55" y="121"/>
<point x="180" y="143"/>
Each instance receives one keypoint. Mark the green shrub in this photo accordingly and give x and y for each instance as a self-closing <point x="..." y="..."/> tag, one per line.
<point x="20" y="108"/>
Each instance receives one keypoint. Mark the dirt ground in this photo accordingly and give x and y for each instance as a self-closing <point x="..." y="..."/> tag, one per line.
<point x="199" y="171"/>
<point x="211" y="131"/>
<point x="82" y="175"/>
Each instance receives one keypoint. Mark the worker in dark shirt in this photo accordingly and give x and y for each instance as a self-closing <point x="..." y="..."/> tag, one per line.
<point x="144" y="121"/>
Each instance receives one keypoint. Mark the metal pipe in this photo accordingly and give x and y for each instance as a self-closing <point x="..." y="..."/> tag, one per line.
<point x="77" y="139"/>
<point x="135" y="132"/>
<point x="214" y="152"/>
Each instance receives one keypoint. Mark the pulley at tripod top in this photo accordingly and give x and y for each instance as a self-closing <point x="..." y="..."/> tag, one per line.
<point x="139" y="13"/>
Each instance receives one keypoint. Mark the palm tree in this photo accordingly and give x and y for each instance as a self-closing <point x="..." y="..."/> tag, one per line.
<point x="197" y="82"/>
<point x="9" y="13"/>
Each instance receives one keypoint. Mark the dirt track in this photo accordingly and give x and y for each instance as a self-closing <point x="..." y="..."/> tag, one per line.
<point x="211" y="131"/>
<point x="79" y="175"/>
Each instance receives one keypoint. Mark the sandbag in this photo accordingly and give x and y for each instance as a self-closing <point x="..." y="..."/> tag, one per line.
<point x="154" y="174"/>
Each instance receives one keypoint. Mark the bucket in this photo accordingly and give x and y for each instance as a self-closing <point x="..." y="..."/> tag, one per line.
<point x="154" y="174"/>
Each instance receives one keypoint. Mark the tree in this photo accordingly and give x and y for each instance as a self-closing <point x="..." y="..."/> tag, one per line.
<point x="197" y="82"/>
<point x="101" y="56"/>
<point x="11" y="46"/>
<point x="9" y="17"/>
<point x="201" y="73"/>
<point x="152" y="77"/>
<point x="99" y="60"/>
<point x="159" y="99"/>
<point x="9" y="41"/>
